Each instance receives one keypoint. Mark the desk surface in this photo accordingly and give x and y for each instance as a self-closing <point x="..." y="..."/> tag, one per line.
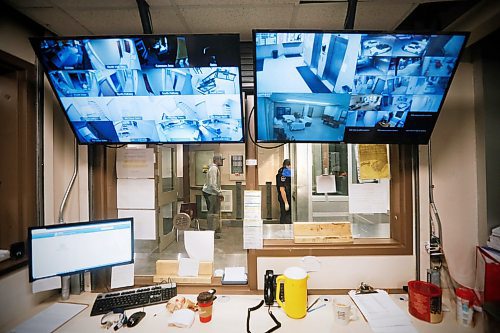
<point x="230" y="312"/>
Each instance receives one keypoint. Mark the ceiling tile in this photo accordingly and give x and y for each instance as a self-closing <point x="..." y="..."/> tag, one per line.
<point x="320" y="16"/>
<point x="227" y="2"/>
<point x="373" y="16"/>
<point x="166" y="20"/>
<point x="56" y="21"/>
<point x="29" y="3"/>
<point x="93" y="4"/>
<point x="110" y="21"/>
<point x="240" y="19"/>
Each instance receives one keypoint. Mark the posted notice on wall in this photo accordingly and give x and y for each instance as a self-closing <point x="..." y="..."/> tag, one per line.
<point x="252" y="234"/>
<point x="252" y="205"/>
<point x="135" y="163"/>
<point x="252" y="220"/>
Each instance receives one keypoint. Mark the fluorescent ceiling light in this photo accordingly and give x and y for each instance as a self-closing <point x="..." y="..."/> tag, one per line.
<point x="306" y="102"/>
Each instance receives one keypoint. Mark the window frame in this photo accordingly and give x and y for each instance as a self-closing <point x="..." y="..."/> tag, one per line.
<point x="402" y="158"/>
<point x="401" y="228"/>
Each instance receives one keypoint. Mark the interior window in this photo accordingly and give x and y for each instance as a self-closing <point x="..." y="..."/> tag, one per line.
<point x="330" y="182"/>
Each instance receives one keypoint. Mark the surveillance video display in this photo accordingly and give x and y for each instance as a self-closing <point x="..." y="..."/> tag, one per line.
<point x="147" y="89"/>
<point x="353" y="87"/>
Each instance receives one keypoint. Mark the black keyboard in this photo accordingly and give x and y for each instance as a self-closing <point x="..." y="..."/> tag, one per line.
<point x="133" y="298"/>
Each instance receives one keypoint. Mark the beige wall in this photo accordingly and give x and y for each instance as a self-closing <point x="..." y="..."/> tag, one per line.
<point x="454" y="172"/>
<point x="15" y="289"/>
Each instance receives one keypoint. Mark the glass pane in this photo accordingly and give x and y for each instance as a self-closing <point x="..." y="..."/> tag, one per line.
<point x="167" y="213"/>
<point x="340" y="182"/>
<point x="203" y="159"/>
<point x="167" y="169"/>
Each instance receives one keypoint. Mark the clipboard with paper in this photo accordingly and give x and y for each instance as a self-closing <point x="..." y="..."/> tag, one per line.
<point x="380" y="311"/>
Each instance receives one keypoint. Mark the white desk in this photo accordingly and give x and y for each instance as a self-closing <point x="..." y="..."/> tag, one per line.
<point x="230" y="313"/>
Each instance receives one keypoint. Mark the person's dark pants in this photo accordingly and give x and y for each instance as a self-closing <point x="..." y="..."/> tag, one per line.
<point x="285" y="216"/>
<point x="213" y="209"/>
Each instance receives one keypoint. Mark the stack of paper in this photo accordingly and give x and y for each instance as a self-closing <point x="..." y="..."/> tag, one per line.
<point x="234" y="275"/>
<point x="382" y="314"/>
<point x="494" y="239"/>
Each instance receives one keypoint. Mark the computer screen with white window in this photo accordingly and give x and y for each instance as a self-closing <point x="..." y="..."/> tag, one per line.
<point x="65" y="249"/>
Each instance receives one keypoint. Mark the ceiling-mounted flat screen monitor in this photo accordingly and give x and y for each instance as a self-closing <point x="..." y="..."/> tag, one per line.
<point x="353" y="87"/>
<point x="147" y="89"/>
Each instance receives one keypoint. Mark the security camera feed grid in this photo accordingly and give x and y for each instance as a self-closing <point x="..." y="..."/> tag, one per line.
<point x="351" y="87"/>
<point x="151" y="89"/>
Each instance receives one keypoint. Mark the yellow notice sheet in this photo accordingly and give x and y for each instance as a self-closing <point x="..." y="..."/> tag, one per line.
<point x="373" y="162"/>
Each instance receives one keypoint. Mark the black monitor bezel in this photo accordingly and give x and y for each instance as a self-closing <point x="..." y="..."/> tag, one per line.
<point x="71" y="225"/>
<point x="466" y="35"/>
<point x="35" y="42"/>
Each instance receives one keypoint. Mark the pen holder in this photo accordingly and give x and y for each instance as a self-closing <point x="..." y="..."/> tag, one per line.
<point x="425" y="301"/>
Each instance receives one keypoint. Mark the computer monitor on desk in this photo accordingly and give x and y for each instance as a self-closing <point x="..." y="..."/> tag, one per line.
<point x="65" y="249"/>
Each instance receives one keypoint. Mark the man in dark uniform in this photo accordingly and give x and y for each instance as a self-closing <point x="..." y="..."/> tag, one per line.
<point x="283" y="185"/>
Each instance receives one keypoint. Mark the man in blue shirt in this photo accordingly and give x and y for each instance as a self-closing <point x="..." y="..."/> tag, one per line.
<point x="284" y="188"/>
<point x="213" y="194"/>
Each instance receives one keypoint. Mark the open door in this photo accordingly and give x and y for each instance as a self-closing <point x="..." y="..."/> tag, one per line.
<point x="166" y="195"/>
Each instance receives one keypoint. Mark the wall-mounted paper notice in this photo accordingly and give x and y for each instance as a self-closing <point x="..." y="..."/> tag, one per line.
<point x="46" y="284"/>
<point x="144" y="222"/>
<point x="252" y="202"/>
<point x="252" y="234"/>
<point x="326" y="184"/>
<point x="199" y="244"/>
<point x="369" y="198"/>
<point x="135" y="163"/>
<point x="135" y="193"/>
<point x="122" y="276"/>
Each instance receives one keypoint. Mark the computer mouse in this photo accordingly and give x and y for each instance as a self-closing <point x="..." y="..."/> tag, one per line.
<point x="135" y="318"/>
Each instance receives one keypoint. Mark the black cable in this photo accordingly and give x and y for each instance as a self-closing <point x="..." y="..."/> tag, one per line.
<point x="115" y="146"/>
<point x="272" y="329"/>
<point x="351" y="14"/>
<point x="250" y="134"/>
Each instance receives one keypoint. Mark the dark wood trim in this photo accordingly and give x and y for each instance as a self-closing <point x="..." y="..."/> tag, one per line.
<point x="252" y="173"/>
<point x="186" y="179"/>
<point x="10" y="265"/>
<point x="24" y="159"/>
<point x="102" y="182"/>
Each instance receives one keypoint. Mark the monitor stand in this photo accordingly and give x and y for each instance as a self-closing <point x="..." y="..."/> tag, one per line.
<point x="65" y="287"/>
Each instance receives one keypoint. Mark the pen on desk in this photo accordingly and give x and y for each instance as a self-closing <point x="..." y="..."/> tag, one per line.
<point x="310" y="306"/>
<point x="316" y="308"/>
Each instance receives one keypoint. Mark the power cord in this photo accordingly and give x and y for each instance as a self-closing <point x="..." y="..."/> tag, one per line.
<point x="250" y="134"/>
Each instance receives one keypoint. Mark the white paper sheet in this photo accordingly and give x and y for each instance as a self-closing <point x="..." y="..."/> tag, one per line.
<point x="253" y="234"/>
<point x="144" y="222"/>
<point x="369" y="198"/>
<point x="122" y="276"/>
<point x="50" y="319"/>
<point x="46" y="284"/>
<point x="188" y="267"/>
<point x="135" y="194"/>
<point x="135" y="163"/>
<point x="235" y="275"/>
<point x="252" y="202"/>
<point x="382" y="314"/>
<point x="325" y="184"/>
<point x="199" y="244"/>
